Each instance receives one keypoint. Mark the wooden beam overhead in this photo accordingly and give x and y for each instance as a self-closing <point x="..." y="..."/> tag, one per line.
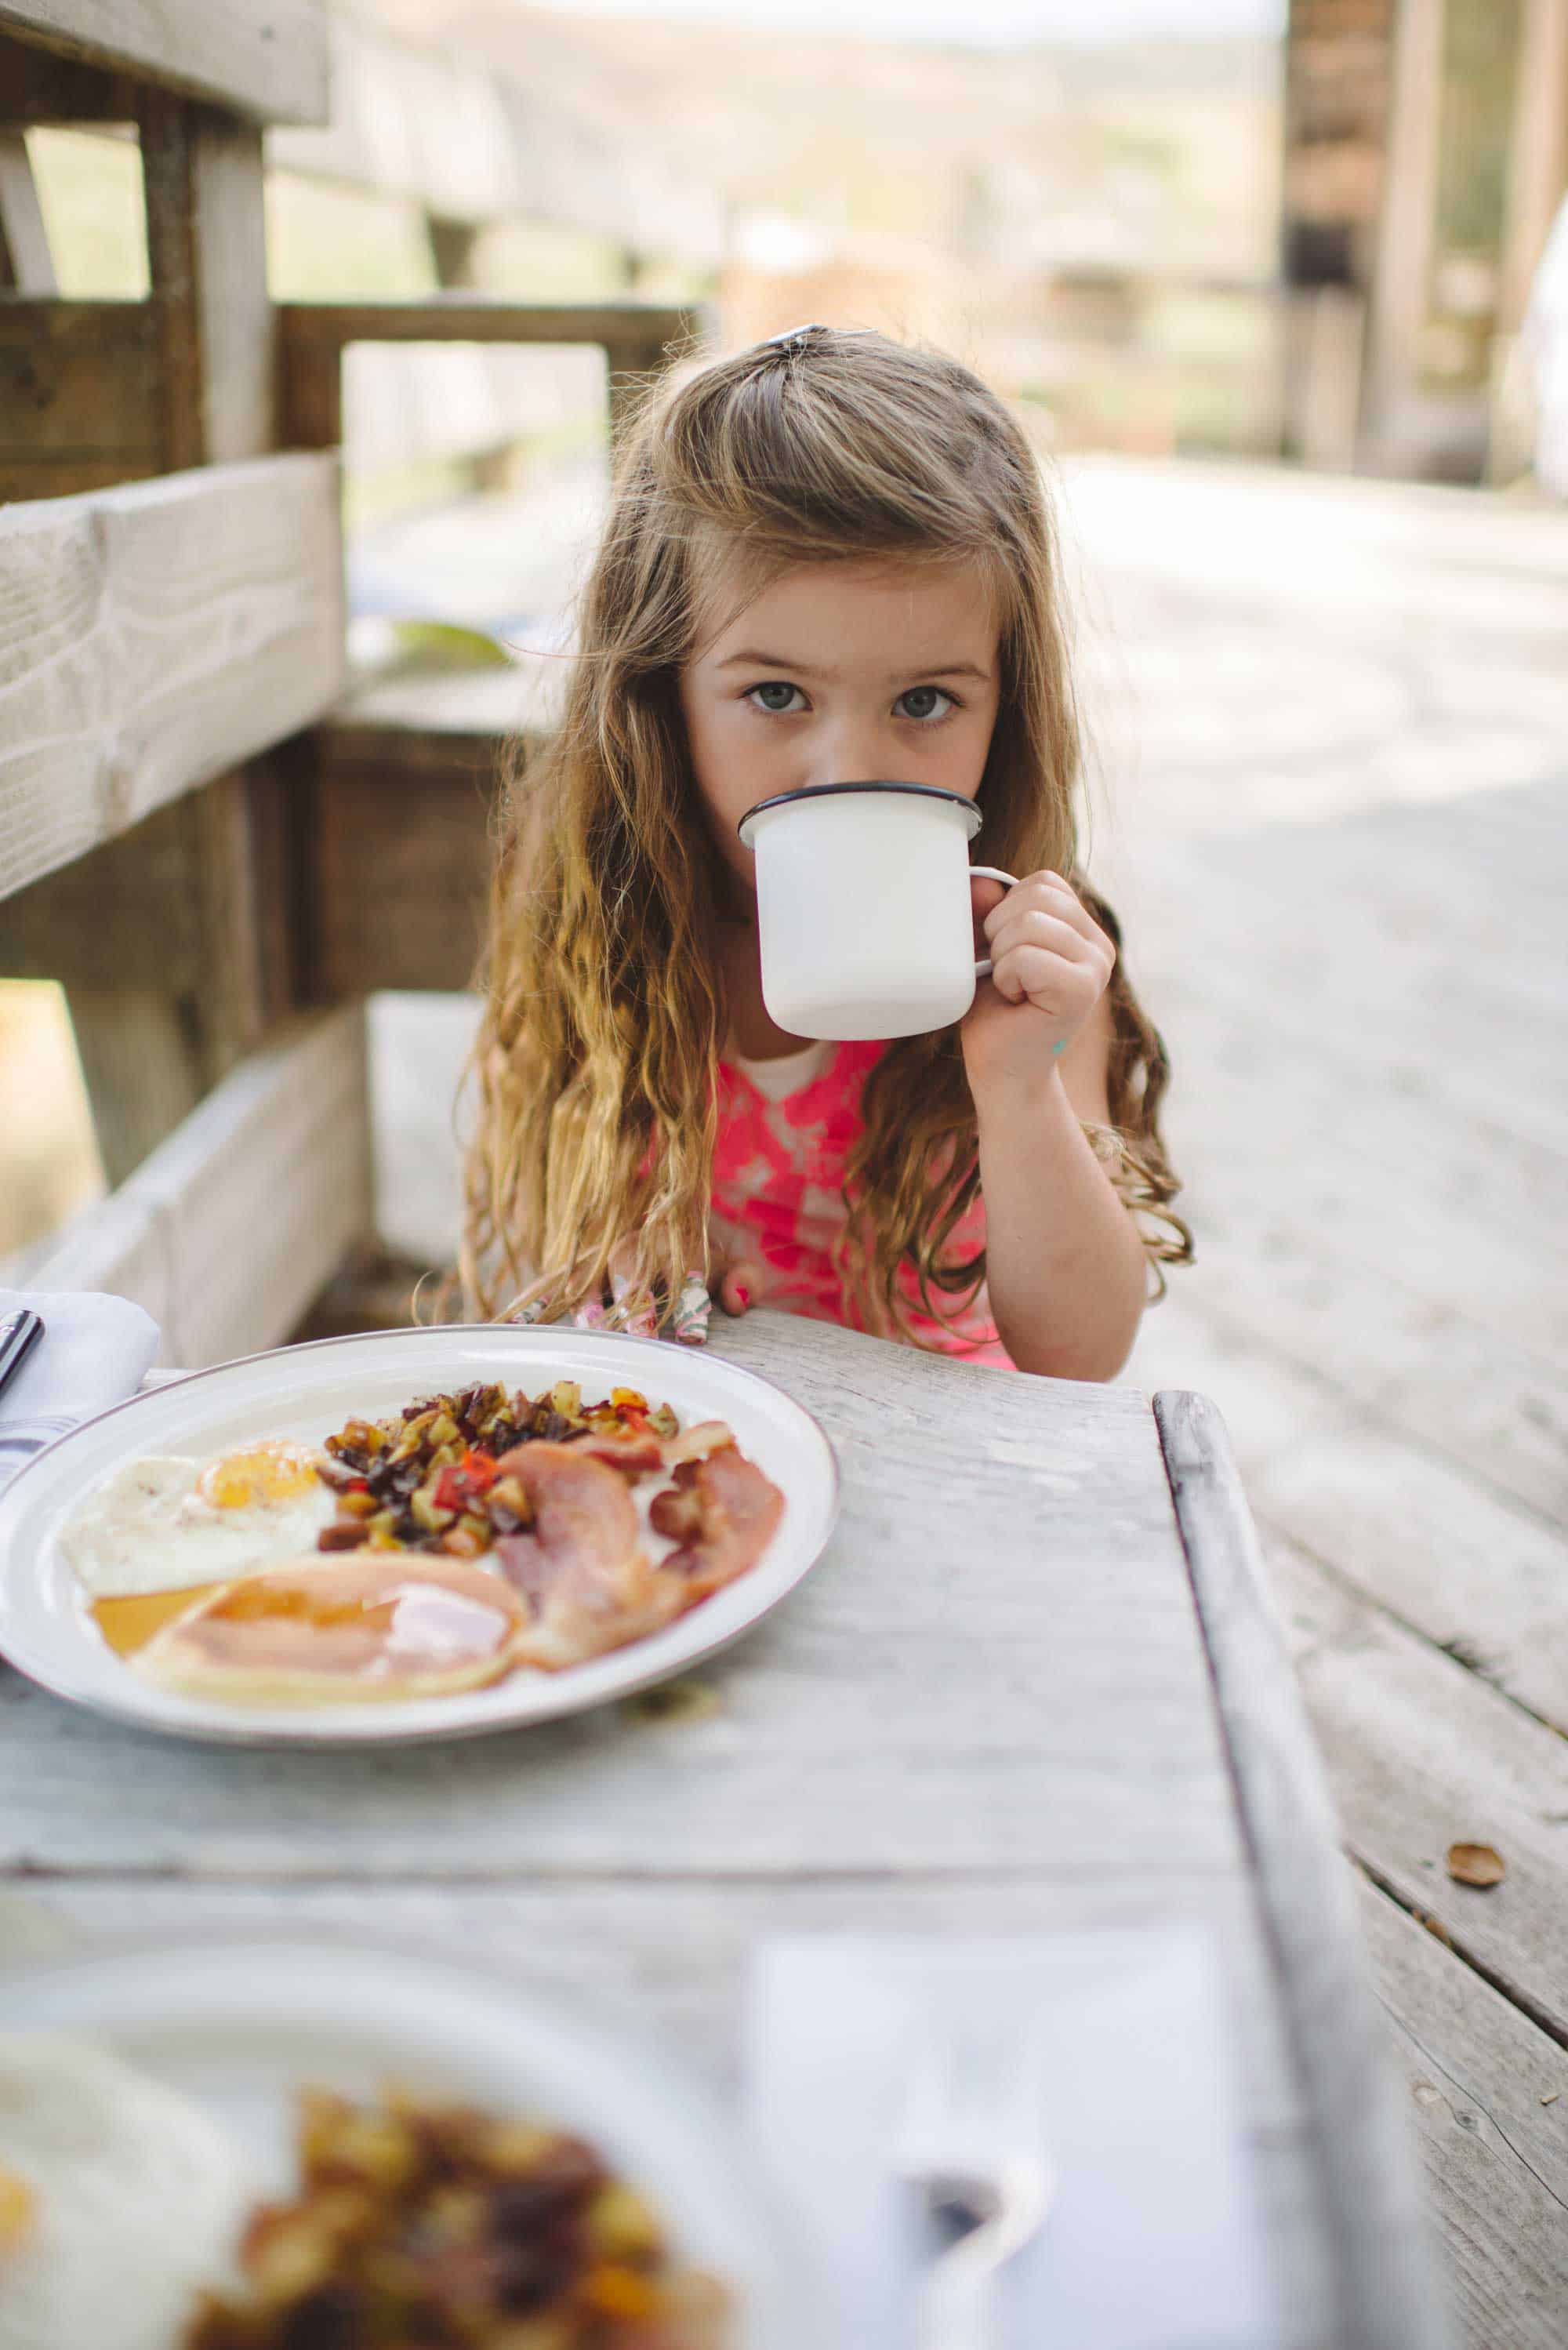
<point x="266" y="59"/>
<point x="36" y="85"/>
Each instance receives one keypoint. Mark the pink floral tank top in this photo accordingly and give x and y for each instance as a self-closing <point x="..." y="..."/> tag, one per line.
<point x="778" y="1172"/>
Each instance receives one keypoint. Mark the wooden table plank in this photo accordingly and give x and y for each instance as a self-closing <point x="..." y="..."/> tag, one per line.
<point x="951" y="1690"/>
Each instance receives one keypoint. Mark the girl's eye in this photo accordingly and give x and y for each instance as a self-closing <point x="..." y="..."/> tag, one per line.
<point x="776" y="697"/>
<point x="923" y="702"/>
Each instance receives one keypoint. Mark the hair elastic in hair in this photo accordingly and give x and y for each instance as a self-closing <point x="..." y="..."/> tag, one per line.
<point x="794" y="336"/>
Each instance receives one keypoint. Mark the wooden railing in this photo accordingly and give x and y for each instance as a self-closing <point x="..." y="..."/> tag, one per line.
<point x="170" y="620"/>
<point x="313" y="337"/>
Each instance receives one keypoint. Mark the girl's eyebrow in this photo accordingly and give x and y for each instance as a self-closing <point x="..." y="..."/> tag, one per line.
<point x="783" y="666"/>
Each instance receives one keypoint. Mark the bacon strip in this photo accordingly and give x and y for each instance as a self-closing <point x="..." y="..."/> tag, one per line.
<point x="638" y="1456"/>
<point x="722" y="1513"/>
<point x="581" y="1569"/>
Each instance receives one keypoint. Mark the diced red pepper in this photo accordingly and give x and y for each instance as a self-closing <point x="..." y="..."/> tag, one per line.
<point x="452" y="1490"/>
<point x="461" y="1482"/>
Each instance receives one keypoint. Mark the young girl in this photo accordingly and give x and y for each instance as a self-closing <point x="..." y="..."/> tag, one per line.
<point x="828" y="559"/>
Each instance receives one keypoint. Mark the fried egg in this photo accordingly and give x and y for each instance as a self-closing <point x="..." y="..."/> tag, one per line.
<point x="136" y="2200"/>
<point x="365" y="1628"/>
<point x="168" y="1523"/>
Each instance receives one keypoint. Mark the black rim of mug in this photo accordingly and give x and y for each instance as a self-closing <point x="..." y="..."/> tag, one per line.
<point x="837" y="791"/>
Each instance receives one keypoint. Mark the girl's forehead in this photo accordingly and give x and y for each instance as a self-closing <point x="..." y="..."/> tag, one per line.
<point x="929" y="609"/>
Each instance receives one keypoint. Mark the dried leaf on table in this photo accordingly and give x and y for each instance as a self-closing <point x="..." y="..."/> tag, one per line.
<point x="1476" y="1864"/>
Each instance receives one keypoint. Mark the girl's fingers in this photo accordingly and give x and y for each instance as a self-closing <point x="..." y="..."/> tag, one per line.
<point x="1068" y="991"/>
<point x="1030" y="926"/>
<point x="740" y="1287"/>
<point x="1048" y="893"/>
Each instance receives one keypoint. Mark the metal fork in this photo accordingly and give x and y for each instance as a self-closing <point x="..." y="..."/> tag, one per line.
<point x="970" y="2142"/>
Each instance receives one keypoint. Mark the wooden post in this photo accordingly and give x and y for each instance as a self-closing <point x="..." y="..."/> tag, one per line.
<point x="1538" y="151"/>
<point x="26" y="265"/>
<point x="1537" y="177"/>
<point x="206" y="250"/>
<point x="1331" y="321"/>
<point x="1408" y="217"/>
<point x="454" y="249"/>
<point x="454" y="246"/>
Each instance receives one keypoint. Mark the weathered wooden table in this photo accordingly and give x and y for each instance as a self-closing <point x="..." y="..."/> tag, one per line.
<point x="1022" y="1690"/>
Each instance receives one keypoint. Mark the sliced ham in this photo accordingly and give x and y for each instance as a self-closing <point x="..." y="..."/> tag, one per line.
<point x="722" y="1513"/>
<point x="581" y="1569"/>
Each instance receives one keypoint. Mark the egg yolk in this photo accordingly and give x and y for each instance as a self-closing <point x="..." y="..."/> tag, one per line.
<point x="17" y="2208"/>
<point x="258" y="1474"/>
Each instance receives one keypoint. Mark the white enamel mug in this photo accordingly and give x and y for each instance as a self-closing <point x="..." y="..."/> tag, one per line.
<point x="863" y="907"/>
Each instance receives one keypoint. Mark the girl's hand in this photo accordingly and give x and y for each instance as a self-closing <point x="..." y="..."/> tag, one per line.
<point x="736" y="1286"/>
<point x="1050" y="963"/>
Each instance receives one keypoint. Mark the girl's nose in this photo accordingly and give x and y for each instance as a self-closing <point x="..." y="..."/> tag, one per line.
<point x="853" y="750"/>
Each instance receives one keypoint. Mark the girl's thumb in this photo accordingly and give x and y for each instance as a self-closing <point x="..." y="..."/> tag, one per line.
<point x="740" y="1287"/>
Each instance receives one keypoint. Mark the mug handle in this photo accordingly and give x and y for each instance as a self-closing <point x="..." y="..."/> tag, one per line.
<point x="989" y="873"/>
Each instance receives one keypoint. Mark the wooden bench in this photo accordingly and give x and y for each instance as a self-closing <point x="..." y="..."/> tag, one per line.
<point x="172" y="622"/>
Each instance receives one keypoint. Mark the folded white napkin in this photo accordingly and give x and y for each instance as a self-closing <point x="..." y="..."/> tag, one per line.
<point x="95" y="1351"/>
<point x="1151" y="2242"/>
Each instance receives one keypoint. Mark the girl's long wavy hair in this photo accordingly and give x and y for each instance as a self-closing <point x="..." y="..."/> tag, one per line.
<point x="605" y="1016"/>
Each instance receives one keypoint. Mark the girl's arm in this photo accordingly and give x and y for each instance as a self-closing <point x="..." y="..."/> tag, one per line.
<point x="1066" y="1266"/>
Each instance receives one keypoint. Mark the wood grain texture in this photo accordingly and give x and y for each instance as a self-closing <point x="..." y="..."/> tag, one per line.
<point x="1426" y="1544"/>
<point x="1487" y="2097"/>
<point x="206" y="244"/>
<point x="228" y="1230"/>
<point x="473" y="145"/>
<point x="157" y="937"/>
<point x="267" y="59"/>
<point x="1426" y="1755"/>
<point x="40" y="85"/>
<point x="152" y="636"/>
<point x="1382" y="2259"/>
<point x="78" y="396"/>
<point x="401" y="856"/>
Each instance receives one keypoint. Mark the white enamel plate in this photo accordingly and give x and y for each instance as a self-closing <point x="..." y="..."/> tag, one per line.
<point x="239" y="2025"/>
<point x="305" y="1393"/>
